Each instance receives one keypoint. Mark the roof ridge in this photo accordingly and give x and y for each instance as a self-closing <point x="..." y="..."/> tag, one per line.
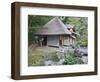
<point x="54" y="26"/>
<point x="64" y="26"/>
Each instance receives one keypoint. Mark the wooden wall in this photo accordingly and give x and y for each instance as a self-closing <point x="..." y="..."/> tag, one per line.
<point x="53" y="40"/>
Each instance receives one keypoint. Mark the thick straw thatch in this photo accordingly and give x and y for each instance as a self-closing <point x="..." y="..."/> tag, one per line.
<point x="54" y="27"/>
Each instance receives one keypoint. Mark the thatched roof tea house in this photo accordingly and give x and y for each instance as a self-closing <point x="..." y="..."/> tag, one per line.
<point x="56" y="33"/>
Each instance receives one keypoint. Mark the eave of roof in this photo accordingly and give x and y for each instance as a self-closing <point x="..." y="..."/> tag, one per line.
<point x="54" y="27"/>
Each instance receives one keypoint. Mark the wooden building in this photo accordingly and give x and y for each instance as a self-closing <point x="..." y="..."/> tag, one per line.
<point x="56" y="33"/>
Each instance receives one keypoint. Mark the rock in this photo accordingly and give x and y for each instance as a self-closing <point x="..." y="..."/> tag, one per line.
<point x="60" y="55"/>
<point x="47" y="56"/>
<point x="84" y="59"/>
<point x="41" y="62"/>
<point x="81" y="52"/>
<point x="61" y="61"/>
<point x="48" y="63"/>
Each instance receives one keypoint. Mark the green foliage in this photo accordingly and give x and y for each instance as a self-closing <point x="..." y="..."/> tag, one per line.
<point x="54" y="56"/>
<point x="35" y="22"/>
<point x="34" y="58"/>
<point x="71" y="59"/>
<point x="81" y="24"/>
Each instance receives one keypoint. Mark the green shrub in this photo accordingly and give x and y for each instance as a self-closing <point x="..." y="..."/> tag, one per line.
<point x="34" y="58"/>
<point x="71" y="59"/>
<point x="54" y="56"/>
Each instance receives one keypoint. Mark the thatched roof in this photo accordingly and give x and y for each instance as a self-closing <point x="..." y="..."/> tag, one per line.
<point x="54" y="27"/>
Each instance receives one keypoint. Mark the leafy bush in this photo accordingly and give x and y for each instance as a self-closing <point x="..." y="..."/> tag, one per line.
<point x="35" y="58"/>
<point x="54" y="56"/>
<point x="71" y="59"/>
